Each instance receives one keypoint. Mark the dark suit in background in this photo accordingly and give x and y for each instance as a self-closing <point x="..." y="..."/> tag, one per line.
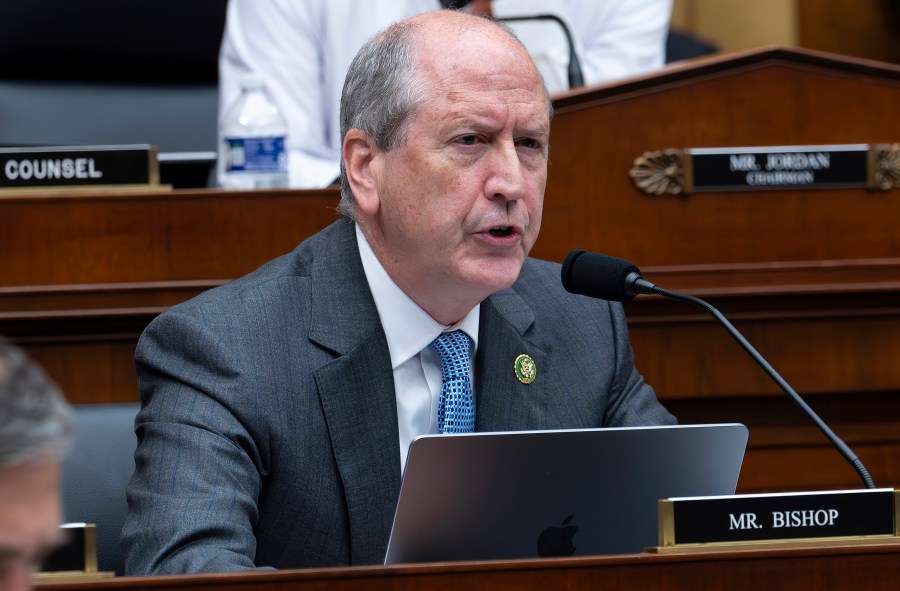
<point x="268" y="436"/>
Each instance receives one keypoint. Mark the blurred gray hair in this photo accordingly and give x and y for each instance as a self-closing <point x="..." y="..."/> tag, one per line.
<point x="382" y="91"/>
<point x="35" y="420"/>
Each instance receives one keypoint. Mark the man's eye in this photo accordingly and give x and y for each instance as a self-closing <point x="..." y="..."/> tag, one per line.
<point x="468" y="140"/>
<point x="530" y="143"/>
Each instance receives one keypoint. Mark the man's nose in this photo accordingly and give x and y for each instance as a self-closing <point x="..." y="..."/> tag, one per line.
<point x="507" y="175"/>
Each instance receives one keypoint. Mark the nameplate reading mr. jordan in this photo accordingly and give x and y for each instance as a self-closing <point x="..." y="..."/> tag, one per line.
<point x="676" y="171"/>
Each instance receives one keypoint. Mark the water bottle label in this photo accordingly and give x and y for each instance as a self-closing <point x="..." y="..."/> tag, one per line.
<point x="255" y="154"/>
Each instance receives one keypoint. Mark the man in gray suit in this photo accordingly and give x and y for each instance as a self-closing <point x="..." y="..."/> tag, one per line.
<point x="277" y="410"/>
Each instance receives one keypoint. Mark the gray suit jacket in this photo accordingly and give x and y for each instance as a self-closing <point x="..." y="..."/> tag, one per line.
<point x="268" y="434"/>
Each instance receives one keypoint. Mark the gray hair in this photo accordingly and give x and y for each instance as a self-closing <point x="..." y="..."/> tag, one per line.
<point x="35" y="420"/>
<point x="382" y="91"/>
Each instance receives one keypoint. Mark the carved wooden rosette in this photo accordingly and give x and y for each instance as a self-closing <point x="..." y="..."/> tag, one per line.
<point x="663" y="172"/>
<point x="885" y="166"/>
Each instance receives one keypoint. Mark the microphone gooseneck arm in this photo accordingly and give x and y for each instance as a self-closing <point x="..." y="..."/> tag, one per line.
<point x="576" y="78"/>
<point x="635" y="284"/>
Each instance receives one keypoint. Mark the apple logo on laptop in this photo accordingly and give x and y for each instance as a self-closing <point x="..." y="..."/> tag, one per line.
<point x="557" y="541"/>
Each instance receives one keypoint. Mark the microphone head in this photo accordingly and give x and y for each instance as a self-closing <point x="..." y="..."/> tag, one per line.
<point x="598" y="276"/>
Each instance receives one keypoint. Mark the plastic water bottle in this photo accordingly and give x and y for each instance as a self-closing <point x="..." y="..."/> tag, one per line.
<point x="254" y="131"/>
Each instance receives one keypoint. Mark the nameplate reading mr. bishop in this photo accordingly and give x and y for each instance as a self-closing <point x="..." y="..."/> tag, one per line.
<point x="783" y="516"/>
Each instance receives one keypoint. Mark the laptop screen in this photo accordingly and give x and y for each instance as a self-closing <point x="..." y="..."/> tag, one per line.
<point x="527" y="494"/>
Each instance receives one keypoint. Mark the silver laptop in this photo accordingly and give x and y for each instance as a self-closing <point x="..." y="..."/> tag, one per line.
<point x="528" y="494"/>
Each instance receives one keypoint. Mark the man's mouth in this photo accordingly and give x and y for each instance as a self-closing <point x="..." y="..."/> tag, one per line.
<point x="501" y="231"/>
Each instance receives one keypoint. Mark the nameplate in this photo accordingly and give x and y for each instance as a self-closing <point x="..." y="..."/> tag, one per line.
<point x="87" y="166"/>
<point x="685" y="171"/>
<point x="781" y="516"/>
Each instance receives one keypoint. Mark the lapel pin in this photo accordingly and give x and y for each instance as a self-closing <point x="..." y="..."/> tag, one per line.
<point x="525" y="368"/>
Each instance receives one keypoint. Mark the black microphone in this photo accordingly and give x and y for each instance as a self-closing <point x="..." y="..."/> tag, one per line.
<point x="611" y="278"/>
<point x="599" y="276"/>
<point x="576" y="78"/>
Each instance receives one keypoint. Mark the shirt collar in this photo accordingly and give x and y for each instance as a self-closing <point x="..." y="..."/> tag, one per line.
<point x="408" y="328"/>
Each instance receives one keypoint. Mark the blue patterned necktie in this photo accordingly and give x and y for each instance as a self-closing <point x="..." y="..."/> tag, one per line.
<point x="456" y="408"/>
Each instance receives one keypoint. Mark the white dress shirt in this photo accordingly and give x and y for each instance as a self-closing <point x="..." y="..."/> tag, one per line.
<point x="417" y="368"/>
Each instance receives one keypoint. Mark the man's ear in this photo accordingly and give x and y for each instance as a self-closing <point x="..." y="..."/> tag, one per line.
<point x="361" y="165"/>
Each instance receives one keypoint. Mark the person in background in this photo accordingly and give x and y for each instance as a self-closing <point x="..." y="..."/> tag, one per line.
<point x="35" y="427"/>
<point x="303" y="49"/>
<point x="277" y="410"/>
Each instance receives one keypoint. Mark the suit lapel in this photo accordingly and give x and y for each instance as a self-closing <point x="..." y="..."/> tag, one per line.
<point x="357" y="393"/>
<point x="504" y="403"/>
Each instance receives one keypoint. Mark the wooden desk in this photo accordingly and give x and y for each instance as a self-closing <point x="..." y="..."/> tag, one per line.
<point x="872" y="568"/>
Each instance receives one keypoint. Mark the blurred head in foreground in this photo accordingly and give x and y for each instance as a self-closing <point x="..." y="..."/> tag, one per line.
<point x="35" y="426"/>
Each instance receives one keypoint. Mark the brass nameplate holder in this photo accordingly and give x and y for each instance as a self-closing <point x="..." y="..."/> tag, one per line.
<point x="81" y="167"/>
<point x="780" y="519"/>
<point x="76" y="559"/>
<point x="684" y="171"/>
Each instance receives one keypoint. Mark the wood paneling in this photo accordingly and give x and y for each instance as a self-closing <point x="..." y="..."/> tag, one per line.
<point x="812" y="277"/>
<point x="764" y="98"/>
<point x="88" y="240"/>
<point x="862" y="28"/>
<point x="82" y="274"/>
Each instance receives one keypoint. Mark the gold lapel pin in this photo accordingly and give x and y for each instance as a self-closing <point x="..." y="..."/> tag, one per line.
<point x="525" y="368"/>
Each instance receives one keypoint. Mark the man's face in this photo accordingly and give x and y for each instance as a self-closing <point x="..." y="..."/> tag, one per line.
<point x="29" y="520"/>
<point x="461" y="198"/>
